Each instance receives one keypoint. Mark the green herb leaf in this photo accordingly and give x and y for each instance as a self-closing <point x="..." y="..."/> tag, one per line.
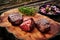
<point x="27" y="10"/>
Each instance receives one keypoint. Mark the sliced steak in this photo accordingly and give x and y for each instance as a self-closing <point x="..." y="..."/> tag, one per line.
<point x="15" y="19"/>
<point x="28" y="25"/>
<point x="43" y="25"/>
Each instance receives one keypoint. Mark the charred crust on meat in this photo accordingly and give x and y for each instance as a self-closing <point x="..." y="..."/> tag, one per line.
<point x="16" y="20"/>
<point x="43" y="25"/>
<point x="28" y="28"/>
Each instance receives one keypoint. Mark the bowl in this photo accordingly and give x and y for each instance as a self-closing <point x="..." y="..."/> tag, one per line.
<point x="54" y="15"/>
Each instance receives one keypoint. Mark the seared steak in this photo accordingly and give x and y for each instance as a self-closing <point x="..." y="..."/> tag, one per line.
<point x="28" y="25"/>
<point x="43" y="25"/>
<point x="15" y="19"/>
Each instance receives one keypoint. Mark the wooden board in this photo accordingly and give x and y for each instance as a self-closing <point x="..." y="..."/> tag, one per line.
<point x="35" y="34"/>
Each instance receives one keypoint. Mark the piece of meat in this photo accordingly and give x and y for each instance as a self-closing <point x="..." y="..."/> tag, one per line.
<point x="43" y="25"/>
<point x="16" y="19"/>
<point x="28" y="25"/>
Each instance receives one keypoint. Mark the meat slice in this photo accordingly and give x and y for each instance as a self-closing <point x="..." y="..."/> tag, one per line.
<point x="28" y="25"/>
<point x="16" y="19"/>
<point x="43" y="25"/>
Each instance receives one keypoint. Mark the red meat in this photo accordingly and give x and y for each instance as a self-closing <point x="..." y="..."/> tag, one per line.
<point x="28" y="25"/>
<point x="15" y="19"/>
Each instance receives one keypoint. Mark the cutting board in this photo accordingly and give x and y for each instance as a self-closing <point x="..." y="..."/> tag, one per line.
<point x="35" y="34"/>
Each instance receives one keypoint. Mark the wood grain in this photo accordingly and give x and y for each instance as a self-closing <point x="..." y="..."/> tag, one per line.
<point x="35" y="34"/>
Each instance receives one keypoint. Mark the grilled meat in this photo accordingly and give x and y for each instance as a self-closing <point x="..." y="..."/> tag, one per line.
<point x="28" y="25"/>
<point x="15" y="19"/>
<point x="43" y="25"/>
